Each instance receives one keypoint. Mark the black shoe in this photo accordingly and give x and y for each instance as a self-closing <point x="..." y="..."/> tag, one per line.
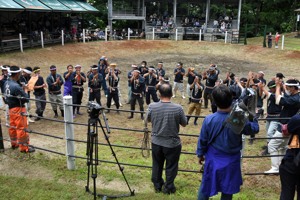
<point x="157" y="190"/>
<point x="169" y="191"/>
<point x="264" y="147"/>
<point x="79" y="113"/>
<point x="195" y="123"/>
<point x="142" y="117"/>
<point x="265" y="152"/>
<point x="37" y="118"/>
<point x="62" y="113"/>
<point x="251" y="141"/>
<point x="29" y="150"/>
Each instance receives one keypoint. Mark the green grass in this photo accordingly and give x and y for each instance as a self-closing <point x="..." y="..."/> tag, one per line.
<point x="291" y="42"/>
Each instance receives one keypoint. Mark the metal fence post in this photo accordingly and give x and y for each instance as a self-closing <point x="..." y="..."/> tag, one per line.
<point x="1" y="139"/>
<point x="21" y="42"/>
<point x="83" y="35"/>
<point x="42" y="39"/>
<point x="153" y="34"/>
<point x="200" y="35"/>
<point x="105" y="34"/>
<point x="62" y="38"/>
<point x="282" y="45"/>
<point x="69" y="131"/>
<point x="128" y="34"/>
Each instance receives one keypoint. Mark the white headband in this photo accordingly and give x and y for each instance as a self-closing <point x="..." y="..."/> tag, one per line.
<point x="14" y="72"/>
<point x="27" y="71"/>
<point x="292" y="84"/>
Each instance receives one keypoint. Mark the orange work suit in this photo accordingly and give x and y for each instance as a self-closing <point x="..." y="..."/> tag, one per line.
<point x="18" y="122"/>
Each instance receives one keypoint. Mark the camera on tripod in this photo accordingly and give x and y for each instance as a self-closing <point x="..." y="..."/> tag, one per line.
<point x="94" y="109"/>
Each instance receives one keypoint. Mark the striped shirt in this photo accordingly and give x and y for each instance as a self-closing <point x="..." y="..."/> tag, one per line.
<point x="166" y="118"/>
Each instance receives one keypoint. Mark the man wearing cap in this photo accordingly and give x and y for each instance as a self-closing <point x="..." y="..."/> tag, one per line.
<point x="150" y="82"/>
<point x="24" y="79"/>
<point x="211" y="77"/>
<point x="55" y="82"/>
<point x="68" y="82"/>
<point x="129" y="76"/>
<point x="39" y="92"/>
<point x="18" y="120"/>
<point x="78" y="79"/>
<point x="191" y="77"/>
<point x="102" y="66"/>
<point x="113" y="89"/>
<point x="3" y="79"/>
<point x="178" y="80"/>
<point x="160" y="71"/>
<point x="273" y="111"/>
<point x="137" y="83"/>
<point x="290" y="103"/>
<point x="95" y="81"/>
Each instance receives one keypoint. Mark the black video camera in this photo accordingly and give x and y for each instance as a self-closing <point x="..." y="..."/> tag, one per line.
<point x="94" y="109"/>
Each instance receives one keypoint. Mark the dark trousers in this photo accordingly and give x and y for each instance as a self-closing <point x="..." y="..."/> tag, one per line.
<point x="159" y="156"/>
<point x="115" y="96"/>
<point x="40" y="106"/>
<point x="207" y="96"/>
<point x="77" y="95"/>
<point x="133" y="100"/>
<point x="152" y="93"/>
<point x="290" y="180"/>
<point x="104" y="86"/>
<point x="96" y="94"/>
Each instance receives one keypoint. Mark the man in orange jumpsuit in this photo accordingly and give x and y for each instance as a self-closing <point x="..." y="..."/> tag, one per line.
<point x="17" y="112"/>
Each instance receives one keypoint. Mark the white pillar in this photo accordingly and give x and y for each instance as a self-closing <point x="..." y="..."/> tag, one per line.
<point x="176" y="34"/>
<point x="128" y="34"/>
<point x="207" y="13"/>
<point x="42" y="39"/>
<point x="239" y="15"/>
<point x="226" y="33"/>
<point x="105" y="34"/>
<point x="83" y="35"/>
<point x="200" y="35"/>
<point x="282" y="44"/>
<point x="153" y="34"/>
<point x="21" y="42"/>
<point x="69" y="131"/>
<point x="62" y="38"/>
<point x="175" y="11"/>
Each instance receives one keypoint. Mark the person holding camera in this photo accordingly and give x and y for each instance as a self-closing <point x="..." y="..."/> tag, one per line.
<point x="196" y="98"/>
<point x="150" y="82"/>
<point x="78" y="78"/>
<point x="220" y="147"/>
<point x="113" y="89"/>
<point x="137" y="83"/>
<point x="95" y="81"/>
<point x="178" y="81"/>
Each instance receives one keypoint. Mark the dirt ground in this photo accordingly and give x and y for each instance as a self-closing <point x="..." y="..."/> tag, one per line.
<point x="234" y="58"/>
